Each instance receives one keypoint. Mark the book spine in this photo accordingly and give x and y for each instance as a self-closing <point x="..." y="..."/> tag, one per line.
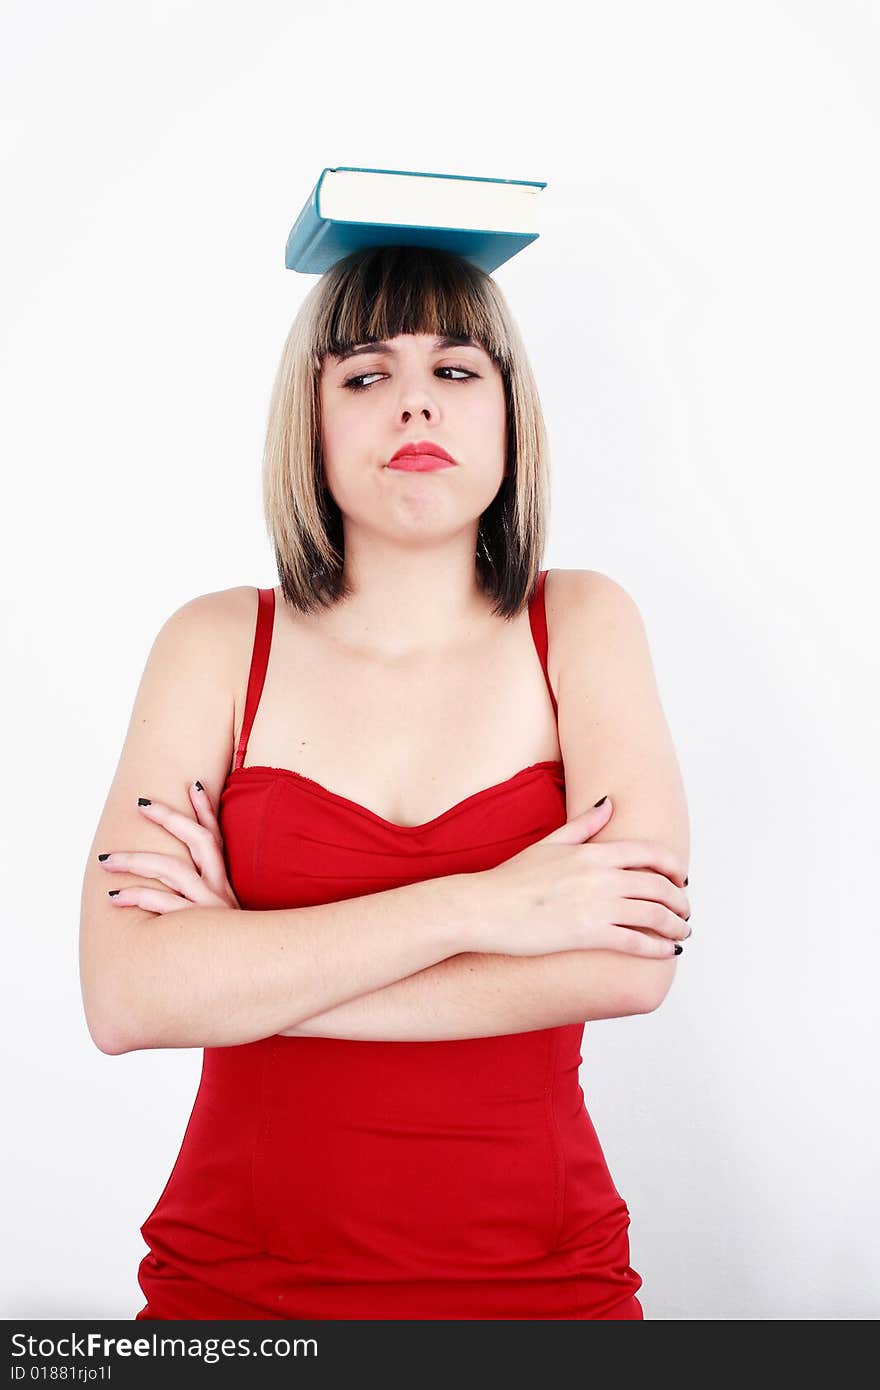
<point x="304" y="230"/>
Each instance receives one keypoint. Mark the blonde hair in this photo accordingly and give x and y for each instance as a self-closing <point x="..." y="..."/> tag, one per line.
<point x="375" y="294"/>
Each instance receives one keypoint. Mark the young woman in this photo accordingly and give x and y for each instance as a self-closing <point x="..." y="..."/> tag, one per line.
<point x="433" y="823"/>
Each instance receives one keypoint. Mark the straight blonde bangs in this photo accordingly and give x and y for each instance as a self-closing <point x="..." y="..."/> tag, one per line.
<point x="375" y="294"/>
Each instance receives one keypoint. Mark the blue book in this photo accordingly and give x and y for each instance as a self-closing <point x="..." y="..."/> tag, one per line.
<point x="484" y="220"/>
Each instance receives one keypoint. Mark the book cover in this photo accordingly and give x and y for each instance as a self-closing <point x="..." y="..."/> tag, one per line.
<point x="485" y="220"/>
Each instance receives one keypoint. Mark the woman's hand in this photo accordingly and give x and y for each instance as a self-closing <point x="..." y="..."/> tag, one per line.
<point x="562" y="894"/>
<point x="200" y="883"/>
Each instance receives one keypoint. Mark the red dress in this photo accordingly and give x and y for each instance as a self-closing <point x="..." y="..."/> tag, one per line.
<point x="328" y="1178"/>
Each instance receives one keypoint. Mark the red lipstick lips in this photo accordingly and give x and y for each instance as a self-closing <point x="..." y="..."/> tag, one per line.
<point x="420" y="456"/>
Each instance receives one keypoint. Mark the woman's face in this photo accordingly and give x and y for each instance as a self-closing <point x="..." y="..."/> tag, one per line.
<point x="375" y="401"/>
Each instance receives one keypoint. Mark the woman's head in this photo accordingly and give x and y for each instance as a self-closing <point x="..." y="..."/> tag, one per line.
<point x="336" y="417"/>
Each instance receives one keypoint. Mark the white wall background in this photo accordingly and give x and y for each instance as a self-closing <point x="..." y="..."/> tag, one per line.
<point x="702" y="316"/>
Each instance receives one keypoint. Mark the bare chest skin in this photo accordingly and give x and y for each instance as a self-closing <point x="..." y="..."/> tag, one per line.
<point x="405" y="739"/>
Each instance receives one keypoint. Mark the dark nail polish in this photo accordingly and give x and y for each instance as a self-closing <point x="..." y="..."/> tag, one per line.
<point x="113" y="891"/>
<point x="144" y="801"/>
<point x="599" y="803"/>
<point x="688" y="918"/>
<point x="678" y="948"/>
<point x="199" y="786"/>
<point x="102" y="857"/>
<point x="686" y="883"/>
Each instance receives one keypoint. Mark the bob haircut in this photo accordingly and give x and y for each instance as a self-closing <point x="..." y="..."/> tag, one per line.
<point x="370" y="295"/>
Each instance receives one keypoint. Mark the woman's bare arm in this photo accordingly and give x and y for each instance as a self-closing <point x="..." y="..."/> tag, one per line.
<point x="615" y="740"/>
<point x="216" y="977"/>
<point x="477" y="995"/>
<point x="206" y="976"/>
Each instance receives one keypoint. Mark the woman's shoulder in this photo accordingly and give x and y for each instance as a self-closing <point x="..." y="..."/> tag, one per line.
<point x="583" y="607"/>
<point x="219" y="628"/>
<point x="569" y="593"/>
<point x="218" y="625"/>
<point x="221" y="603"/>
<point x="218" y="611"/>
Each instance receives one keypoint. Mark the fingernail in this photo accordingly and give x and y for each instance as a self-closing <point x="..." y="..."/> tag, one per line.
<point x="686" y="883"/>
<point x="599" y="803"/>
<point x="144" y="801"/>
<point x="678" y="948"/>
<point x="113" y="891"/>
<point x="199" y="787"/>
<point x="102" y="857"/>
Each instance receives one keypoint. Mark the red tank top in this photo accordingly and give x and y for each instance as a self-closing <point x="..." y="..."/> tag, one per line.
<point x="329" y="1178"/>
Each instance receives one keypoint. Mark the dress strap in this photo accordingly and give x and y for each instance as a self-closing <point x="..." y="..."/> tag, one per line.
<point x="259" y="662"/>
<point x="538" y="620"/>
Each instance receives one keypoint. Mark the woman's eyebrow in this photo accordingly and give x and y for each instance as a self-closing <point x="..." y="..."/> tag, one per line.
<point x="452" y="340"/>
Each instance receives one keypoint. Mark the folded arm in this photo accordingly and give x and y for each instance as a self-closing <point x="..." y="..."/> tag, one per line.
<point x="479" y="996"/>
<point x="614" y="740"/>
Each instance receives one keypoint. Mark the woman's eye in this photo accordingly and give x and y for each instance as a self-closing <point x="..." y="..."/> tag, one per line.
<point x="353" y="381"/>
